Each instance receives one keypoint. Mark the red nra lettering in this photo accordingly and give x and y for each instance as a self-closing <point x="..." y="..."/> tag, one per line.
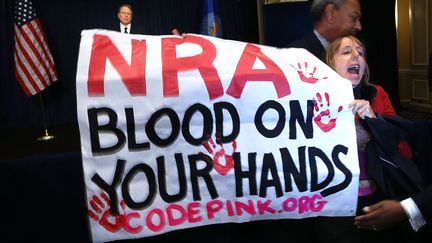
<point x="171" y="65"/>
<point x="133" y="75"/>
<point x="244" y="73"/>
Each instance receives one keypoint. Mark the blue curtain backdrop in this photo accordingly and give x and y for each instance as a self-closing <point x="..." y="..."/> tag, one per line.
<point x="63" y="22"/>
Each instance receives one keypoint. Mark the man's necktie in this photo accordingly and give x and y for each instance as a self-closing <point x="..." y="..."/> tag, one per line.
<point x="125" y="31"/>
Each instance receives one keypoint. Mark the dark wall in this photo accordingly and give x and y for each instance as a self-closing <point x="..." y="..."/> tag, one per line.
<point x="379" y="36"/>
<point x="63" y="22"/>
<point x="286" y="22"/>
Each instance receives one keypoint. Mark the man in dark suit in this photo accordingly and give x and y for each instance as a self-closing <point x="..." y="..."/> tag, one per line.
<point x="417" y="209"/>
<point x="332" y="19"/>
<point x="390" y="213"/>
<point x="125" y="15"/>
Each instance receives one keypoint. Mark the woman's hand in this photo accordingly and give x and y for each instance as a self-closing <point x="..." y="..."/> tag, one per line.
<point x="362" y="108"/>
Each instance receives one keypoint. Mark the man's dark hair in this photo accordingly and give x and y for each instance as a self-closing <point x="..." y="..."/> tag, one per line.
<point x="318" y="6"/>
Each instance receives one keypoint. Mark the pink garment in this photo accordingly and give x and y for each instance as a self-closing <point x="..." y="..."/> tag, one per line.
<point x="366" y="185"/>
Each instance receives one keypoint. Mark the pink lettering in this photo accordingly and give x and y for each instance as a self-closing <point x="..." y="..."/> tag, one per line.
<point x="318" y="206"/>
<point x="193" y="212"/>
<point x="264" y="207"/>
<point x="289" y="204"/>
<point x="213" y="207"/>
<point x="172" y="221"/>
<point x="128" y="227"/>
<point x="230" y="208"/>
<point x="158" y="213"/>
<point x="304" y="204"/>
<point x="249" y="208"/>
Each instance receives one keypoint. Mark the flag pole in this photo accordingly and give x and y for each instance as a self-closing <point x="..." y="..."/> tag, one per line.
<point x="46" y="136"/>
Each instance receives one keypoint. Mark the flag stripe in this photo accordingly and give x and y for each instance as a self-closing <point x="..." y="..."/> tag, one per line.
<point x="43" y="41"/>
<point x="40" y="36"/>
<point x="40" y="53"/>
<point x="39" y="57"/>
<point x="34" y="64"/>
<point x="30" y="77"/>
<point x="26" y="54"/>
<point x="24" y="78"/>
<point x="29" y="56"/>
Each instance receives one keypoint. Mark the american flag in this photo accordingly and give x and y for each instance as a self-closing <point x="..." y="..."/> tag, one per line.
<point x="34" y="64"/>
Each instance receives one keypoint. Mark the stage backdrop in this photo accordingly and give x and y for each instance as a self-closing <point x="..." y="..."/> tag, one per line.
<point x="179" y="132"/>
<point x="63" y="22"/>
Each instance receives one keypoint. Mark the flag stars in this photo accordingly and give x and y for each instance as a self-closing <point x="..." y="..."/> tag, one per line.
<point x="24" y="12"/>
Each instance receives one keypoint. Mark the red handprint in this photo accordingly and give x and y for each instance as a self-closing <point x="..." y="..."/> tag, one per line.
<point x="219" y="155"/>
<point x="101" y="212"/>
<point x="322" y="110"/>
<point x="305" y="75"/>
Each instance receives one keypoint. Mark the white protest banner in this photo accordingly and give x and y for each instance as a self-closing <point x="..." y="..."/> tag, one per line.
<point x="179" y="132"/>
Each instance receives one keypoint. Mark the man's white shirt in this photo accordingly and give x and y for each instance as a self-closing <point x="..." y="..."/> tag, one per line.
<point x="414" y="215"/>
<point x="122" y="28"/>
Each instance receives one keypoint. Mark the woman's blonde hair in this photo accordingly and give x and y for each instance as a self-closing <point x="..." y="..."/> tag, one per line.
<point x="334" y="47"/>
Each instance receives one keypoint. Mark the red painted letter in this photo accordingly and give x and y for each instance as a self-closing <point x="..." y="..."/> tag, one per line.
<point x="245" y="73"/>
<point x="176" y="214"/>
<point x="213" y="207"/>
<point x="171" y="65"/>
<point x="133" y="75"/>
<point x="160" y="218"/>
<point x="128" y="227"/>
<point x="194" y="212"/>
